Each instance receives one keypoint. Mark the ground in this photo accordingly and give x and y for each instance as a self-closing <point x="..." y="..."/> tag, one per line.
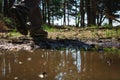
<point x="61" y="38"/>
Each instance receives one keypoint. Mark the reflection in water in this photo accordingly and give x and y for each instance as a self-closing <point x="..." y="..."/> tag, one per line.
<point x="77" y="56"/>
<point x="69" y="64"/>
<point x="3" y="66"/>
<point x="9" y="66"/>
<point x="84" y="62"/>
<point x="15" y="58"/>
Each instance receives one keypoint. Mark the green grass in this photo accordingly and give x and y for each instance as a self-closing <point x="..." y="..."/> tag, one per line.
<point x="14" y="33"/>
<point x="49" y="28"/>
<point x="112" y="33"/>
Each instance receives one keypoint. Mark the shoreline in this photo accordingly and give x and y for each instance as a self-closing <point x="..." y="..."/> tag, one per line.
<point x="29" y="45"/>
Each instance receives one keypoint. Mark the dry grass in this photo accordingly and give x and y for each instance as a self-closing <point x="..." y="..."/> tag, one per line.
<point x="84" y="34"/>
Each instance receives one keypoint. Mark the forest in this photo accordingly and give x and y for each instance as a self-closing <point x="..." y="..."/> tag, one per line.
<point x="83" y="12"/>
<point x="60" y="40"/>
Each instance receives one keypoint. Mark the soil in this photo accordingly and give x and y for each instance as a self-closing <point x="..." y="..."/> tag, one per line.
<point x="66" y="38"/>
<point x="55" y="41"/>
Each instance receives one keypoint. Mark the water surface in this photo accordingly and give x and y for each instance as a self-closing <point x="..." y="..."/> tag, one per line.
<point x="69" y="64"/>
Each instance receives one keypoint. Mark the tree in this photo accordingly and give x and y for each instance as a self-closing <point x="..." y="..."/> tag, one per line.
<point x="44" y="11"/>
<point x="82" y="12"/>
<point x="111" y="6"/>
<point x="64" y="12"/>
<point x="92" y="12"/>
<point x="0" y="6"/>
<point x="100" y="17"/>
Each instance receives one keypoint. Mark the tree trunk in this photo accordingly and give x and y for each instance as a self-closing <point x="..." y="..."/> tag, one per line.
<point x="93" y="12"/>
<point x="109" y="10"/>
<point x="109" y="19"/>
<point x="48" y="11"/>
<point x="82" y="12"/>
<point x="68" y="12"/>
<point x="87" y="5"/>
<point x="64" y="11"/>
<point x="43" y="11"/>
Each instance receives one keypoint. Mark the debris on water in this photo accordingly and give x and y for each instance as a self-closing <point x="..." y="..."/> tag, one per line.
<point x="15" y="78"/>
<point x="42" y="75"/>
<point x="108" y="61"/>
<point x="29" y="59"/>
<point x="20" y="62"/>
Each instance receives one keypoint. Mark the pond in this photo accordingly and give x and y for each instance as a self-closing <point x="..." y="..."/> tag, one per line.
<point x="69" y="64"/>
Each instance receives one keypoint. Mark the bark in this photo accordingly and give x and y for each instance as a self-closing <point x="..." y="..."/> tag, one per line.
<point x="93" y="12"/>
<point x="64" y="19"/>
<point x="82" y="13"/>
<point x="68" y="12"/>
<point x="87" y="5"/>
<point x="44" y="8"/>
<point x="48" y="11"/>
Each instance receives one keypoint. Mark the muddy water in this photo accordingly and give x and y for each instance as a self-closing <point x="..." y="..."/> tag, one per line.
<point x="70" y="64"/>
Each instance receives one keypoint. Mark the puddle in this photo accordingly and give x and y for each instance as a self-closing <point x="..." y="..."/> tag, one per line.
<point x="69" y="64"/>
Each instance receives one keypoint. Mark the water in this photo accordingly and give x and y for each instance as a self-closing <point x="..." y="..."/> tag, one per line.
<point x="69" y="64"/>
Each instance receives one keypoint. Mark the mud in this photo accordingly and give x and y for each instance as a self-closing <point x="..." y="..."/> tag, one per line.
<point x="29" y="44"/>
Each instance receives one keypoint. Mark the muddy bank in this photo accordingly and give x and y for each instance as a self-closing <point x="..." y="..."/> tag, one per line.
<point x="15" y="45"/>
<point x="25" y="43"/>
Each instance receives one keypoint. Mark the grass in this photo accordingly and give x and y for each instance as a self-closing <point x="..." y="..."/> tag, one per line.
<point x="14" y="33"/>
<point x="101" y="33"/>
<point x="112" y="33"/>
<point x="84" y="33"/>
<point x="49" y="28"/>
<point x="88" y="32"/>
